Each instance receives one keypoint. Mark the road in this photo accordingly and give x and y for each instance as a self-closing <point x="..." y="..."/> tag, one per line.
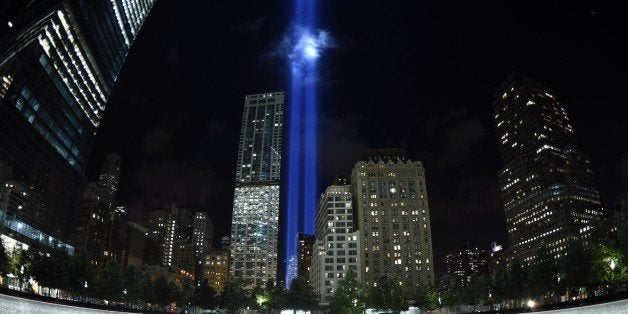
<point x="11" y="304"/>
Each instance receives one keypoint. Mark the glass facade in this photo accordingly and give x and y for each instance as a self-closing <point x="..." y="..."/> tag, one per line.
<point x="254" y="226"/>
<point x="58" y="64"/>
<point x="547" y="184"/>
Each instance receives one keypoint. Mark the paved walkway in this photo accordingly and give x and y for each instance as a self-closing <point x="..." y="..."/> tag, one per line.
<point x="11" y="304"/>
<point x="604" y="308"/>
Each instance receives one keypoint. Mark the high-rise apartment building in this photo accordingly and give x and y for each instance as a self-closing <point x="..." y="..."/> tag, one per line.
<point x="109" y="179"/>
<point x="254" y="227"/>
<point x="336" y="247"/>
<point x="58" y="63"/>
<point x="467" y="263"/>
<point x="393" y="218"/>
<point x="547" y="184"/>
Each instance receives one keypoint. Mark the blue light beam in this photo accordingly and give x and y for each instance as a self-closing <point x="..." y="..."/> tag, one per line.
<point x="303" y="45"/>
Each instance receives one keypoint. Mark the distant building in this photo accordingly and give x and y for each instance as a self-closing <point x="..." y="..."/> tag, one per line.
<point x="135" y="243"/>
<point x="336" y="247"/>
<point x="59" y="61"/>
<point x="547" y="183"/>
<point x="255" y="222"/>
<point x="172" y="228"/>
<point x="109" y="179"/>
<point x="306" y="243"/>
<point x="203" y="237"/>
<point x="102" y="227"/>
<point x="225" y="243"/>
<point x="216" y="269"/>
<point x="467" y="263"/>
<point x="393" y="219"/>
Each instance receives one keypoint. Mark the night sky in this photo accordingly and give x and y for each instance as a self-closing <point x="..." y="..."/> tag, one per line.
<point x="419" y="75"/>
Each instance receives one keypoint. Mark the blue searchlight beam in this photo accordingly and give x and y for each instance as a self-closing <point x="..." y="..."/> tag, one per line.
<point x="306" y="44"/>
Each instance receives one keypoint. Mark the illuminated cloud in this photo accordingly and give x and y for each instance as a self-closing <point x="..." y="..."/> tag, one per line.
<point x="301" y="47"/>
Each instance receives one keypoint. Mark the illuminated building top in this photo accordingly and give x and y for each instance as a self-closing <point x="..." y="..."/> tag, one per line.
<point x="259" y="155"/>
<point x="547" y="184"/>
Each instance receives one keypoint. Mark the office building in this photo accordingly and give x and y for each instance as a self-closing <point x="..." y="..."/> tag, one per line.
<point x="306" y="246"/>
<point x="173" y="229"/>
<point x="336" y="246"/>
<point x="109" y="179"/>
<point x="254" y="227"/>
<point x="203" y="231"/>
<point x="467" y="264"/>
<point x="393" y="218"/>
<point x="547" y="183"/>
<point x="216" y="270"/>
<point x="58" y="63"/>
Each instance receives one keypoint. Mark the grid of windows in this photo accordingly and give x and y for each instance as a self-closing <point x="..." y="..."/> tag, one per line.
<point x="393" y="219"/>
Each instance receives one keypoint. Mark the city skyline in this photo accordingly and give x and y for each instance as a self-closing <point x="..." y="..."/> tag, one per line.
<point x="170" y="158"/>
<point x="313" y="154"/>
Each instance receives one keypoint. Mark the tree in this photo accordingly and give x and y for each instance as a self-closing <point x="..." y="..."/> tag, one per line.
<point x="575" y="267"/>
<point x="162" y="293"/>
<point x="387" y="295"/>
<point x="204" y="296"/>
<point x="450" y="291"/>
<point x="349" y="296"/>
<point x="608" y="264"/>
<point x="233" y="296"/>
<point x="4" y="260"/>
<point x="622" y="231"/>
<point x="543" y="275"/>
<point x="133" y="285"/>
<point x="516" y="283"/>
<point x="277" y="296"/>
<point x="83" y="274"/>
<point x="426" y="297"/>
<point x="301" y="295"/>
<point x="109" y="283"/>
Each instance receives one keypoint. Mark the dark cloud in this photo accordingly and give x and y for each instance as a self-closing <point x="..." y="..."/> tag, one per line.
<point x="157" y="141"/>
<point x="251" y="26"/>
<point x="184" y="183"/>
<point x="340" y="146"/>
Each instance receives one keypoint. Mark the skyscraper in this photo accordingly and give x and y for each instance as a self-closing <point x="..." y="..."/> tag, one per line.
<point x="547" y="184"/>
<point x="173" y="229"/>
<point x="467" y="263"/>
<point x="393" y="218"/>
<point x="109" y="179"/>
<point x="58" y="63"/>
<point x="254" y="226"/>
<point x="203" y="230"/>
<point x="336" y="247"/>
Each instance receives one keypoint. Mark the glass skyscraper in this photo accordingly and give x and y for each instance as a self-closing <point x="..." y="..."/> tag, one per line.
<point x="254" y="226"/>
<point x="547" y="184"/>
<point x="59" y="61"/>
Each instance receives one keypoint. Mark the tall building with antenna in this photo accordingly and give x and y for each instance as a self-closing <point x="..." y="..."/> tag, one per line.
<point x="255" y="222"/>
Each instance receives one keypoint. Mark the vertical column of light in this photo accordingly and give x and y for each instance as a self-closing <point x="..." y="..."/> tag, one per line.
<point x="310" y="139"/>
<point x="295" y="147"/>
